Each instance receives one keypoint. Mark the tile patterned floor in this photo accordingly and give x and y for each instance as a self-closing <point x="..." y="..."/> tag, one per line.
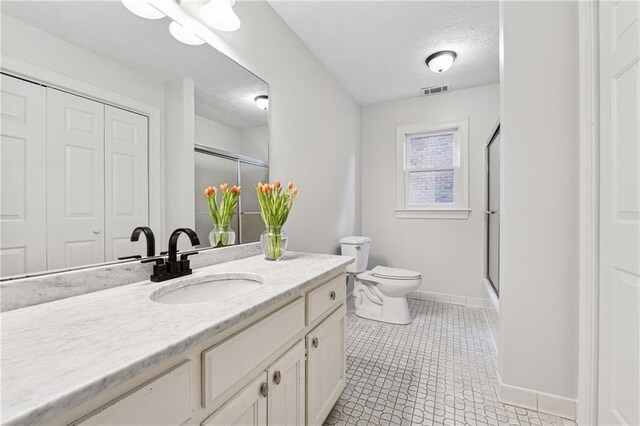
<point x="439" y="370"/>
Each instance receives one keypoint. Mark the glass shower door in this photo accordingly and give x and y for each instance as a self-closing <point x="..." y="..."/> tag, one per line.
<point x="493" y="212"/>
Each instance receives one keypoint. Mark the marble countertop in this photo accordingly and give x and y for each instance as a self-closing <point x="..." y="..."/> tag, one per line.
<point x="58" y="355"/>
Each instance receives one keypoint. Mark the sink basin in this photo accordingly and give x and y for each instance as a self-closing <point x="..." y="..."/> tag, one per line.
<point x="210" y="288"/>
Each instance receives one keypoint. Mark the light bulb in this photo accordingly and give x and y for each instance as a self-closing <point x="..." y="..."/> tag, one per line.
<point x="441" y="61"/>
<point x="183" y="35"/>
<point x="262" y="102"/>
<point x="143" y="9"/>
<point x="220" y="15"/>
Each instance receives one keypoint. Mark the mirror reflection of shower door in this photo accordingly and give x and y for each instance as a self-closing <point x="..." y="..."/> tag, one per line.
<point x="251" y="225"/>
<point x="493" y="212"/>
<point x="211" y="171"/>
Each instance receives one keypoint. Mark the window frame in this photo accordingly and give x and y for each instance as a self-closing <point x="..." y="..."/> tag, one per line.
<point x="459" y="209"/>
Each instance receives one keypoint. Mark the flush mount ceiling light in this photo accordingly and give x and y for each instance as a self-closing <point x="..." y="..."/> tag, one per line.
<point x="441" y="61"/>
<point x="220" y="15"/>
<point x="143" y="9"/>
<point x="262" y="101"/>
<point x="183" y="34"/>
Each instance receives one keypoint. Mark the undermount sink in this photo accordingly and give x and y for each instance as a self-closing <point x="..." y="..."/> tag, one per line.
<point x="210" y="288"/>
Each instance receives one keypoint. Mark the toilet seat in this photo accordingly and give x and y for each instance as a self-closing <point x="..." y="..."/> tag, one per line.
<point x="395" y="273"/>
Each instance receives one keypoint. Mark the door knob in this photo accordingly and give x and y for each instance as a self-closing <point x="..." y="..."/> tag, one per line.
<point x="314" y="342"/>
<point x="277" y="377"/>
<point x="332" y="295"/>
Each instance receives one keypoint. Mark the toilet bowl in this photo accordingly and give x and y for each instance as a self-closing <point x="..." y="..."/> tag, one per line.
<point x="381" y="293"/>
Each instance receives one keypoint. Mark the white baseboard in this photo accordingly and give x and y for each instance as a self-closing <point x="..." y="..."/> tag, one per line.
<point x="533" y="400"/>
<point x="472" y="302"/>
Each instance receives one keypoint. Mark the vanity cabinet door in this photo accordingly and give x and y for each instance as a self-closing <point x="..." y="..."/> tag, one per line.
<point x="247" y="408"/>
<point x="287" y="388"/>
<point x="326" y="366"/>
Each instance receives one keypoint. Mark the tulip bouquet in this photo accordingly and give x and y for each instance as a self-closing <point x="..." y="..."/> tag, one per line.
<point x="221" y="214"/>
<point x="275" y="203"/>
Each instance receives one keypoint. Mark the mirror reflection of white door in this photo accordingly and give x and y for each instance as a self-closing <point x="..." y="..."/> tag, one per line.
<point x="75" y="180"/>
<point x="22" y="167"/>
<point x="126" y="181"/>
<point x="619" y="329"/>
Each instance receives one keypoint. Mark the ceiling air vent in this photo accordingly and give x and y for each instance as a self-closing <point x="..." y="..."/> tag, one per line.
<point x="434" y="90"/>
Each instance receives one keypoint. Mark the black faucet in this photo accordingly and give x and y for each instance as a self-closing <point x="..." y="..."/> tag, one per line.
<point x="174" y="268"/>
<point x="151" y="240"/>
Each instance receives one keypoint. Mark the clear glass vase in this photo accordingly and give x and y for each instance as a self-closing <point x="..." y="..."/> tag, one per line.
<point x="222" y="235"/>
<point x="274" y="242"/>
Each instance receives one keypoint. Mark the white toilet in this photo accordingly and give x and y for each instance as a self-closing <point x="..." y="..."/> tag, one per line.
<point x="380" y="294"/>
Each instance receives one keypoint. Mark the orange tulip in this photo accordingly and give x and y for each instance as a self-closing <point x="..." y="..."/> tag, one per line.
<point x="234" y="189"/>
<point x="295" y="191"/>
<point x="239" y="189"/>
<point x="290" y="186"/>
<point x="209" y="191"/>
<point x="277" y="184"/>
<point x="224" y="187"/>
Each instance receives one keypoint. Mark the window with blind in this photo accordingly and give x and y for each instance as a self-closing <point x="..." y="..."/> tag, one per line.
<point x="432" y="170"/>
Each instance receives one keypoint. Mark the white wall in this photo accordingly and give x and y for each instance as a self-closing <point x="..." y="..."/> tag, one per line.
<point x="179" y="130"/>
<point x="448" y="252"/>
<point x="539" y="203"/>
<point x="217" y="135"/>
<point x="255" y="142"/>
<point x="29" y="44"/>
<point x="314" y="126"/>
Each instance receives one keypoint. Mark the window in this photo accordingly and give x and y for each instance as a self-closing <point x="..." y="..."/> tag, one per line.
<point x="431" y="171"/>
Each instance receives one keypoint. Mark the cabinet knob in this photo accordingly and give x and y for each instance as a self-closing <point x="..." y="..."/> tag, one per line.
<point x="264" y="389"/>
<point x="314" y="342"/>
<point x="277" y="377"/>
<point x="332" y="295"/>
<point x="97" y="231"/>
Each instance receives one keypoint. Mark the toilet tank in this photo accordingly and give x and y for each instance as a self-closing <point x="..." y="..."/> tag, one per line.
<point x="357" y="247"/>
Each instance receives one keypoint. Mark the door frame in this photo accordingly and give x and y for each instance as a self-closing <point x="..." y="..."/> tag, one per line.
<point x="36" y="74"/>
<point x="492" y="135"/>
<point x="589" y="250"/>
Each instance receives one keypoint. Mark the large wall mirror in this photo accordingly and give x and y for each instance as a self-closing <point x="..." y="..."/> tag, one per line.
<point x="94" y="102"/>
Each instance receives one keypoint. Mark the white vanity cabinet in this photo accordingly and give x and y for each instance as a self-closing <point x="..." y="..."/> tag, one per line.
<point x="275" y="397"/>
<point x="326" y="366"/>
<point x="247" y="408"/>
<point x="286" y="367"/>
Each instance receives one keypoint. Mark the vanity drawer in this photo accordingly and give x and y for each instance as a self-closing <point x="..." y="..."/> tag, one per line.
<point x="326" y="297"/>
<point x="164" y="400"/>
<point x="232" y="360"/>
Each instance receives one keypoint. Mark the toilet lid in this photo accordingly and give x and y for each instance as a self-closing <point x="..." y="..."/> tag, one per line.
<point x="395" y="273"/>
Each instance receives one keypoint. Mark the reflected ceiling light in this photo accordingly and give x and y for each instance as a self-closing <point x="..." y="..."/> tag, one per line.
<point x="143" y="9"/>
<point x="262" y="101"/>
<point x="441" y="61"/>
<point x="220" y="15"/>
<point x="183" y="34"/>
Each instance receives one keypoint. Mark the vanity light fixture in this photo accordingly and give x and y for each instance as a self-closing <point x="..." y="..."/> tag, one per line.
<point x="184" y="35"/>
<point x="262" y="101"/>
<point x="143" y="9"/>
<point x="441" y="61"/>
<point x="220" y="15"/>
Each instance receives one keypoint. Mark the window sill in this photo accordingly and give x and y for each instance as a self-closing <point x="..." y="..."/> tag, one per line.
<point x="433" y="214"/>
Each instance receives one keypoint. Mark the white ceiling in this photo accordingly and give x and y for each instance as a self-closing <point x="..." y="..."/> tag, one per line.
<point x="377" y="49"/>
<point x="225" y="91"/>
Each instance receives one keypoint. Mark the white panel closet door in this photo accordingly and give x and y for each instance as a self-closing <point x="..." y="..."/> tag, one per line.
<point x="22" y="173"/>
<point x="75" y="180"/>
<point x="126" y="181"/>
<point x="619" y="331"/>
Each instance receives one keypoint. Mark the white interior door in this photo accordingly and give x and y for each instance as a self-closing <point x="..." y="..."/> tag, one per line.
<point x="75" y="180"/>
<point x="126" y="181"/>
<point x="22" y="172"/>
<point x="619" y="331"/>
